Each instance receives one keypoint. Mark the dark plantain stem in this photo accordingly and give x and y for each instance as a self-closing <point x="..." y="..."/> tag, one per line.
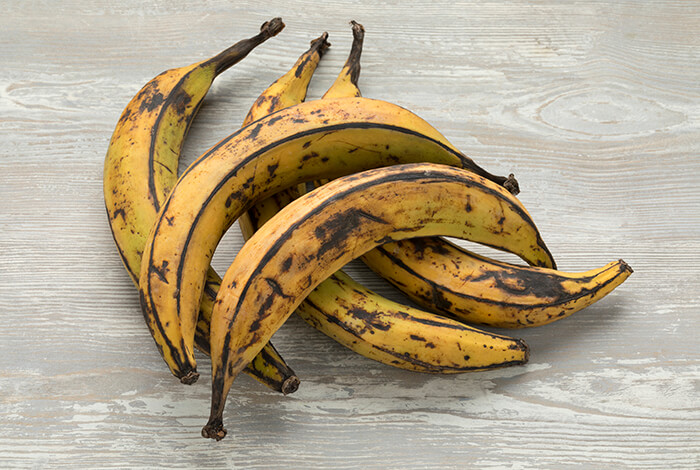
<point x="238" y="51"/>
<point x="320" y="44"/>
<point x="353" y="62"/>
<point x="509" y="183"/>
<point x="290" y="385"/>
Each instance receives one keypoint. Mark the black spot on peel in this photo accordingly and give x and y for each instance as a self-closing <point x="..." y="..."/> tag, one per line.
<point x="255" y="131"/>
<point x="272" y="168"/>
<point x="525" y="282"/>
<point x="125" y="115"/>
<point x="152" y="103"/>
<point x="160" y="272"/>
<point x="232" y="197"/>
<point x="181" y="101"/>
<point x="369" y="318"/>
<point x="274" y="104"/>
<point x="309" y="156"/>
<point x="255" y="326"/>
<point x="170" y="220"/>
<point x="274" y="119"/>
<point x="337" y="229"/>
<point x="119" y="213"/>
<point x="417" y="338"/>
<point x="424" y="244"/>
<point x="306" y="144"/>
<point x="299" y="120"/>
<point x="276" y="288"/>
<point x="439" y="299"/>
<point x="302" y="65"/>
<point x="286" y="264"/>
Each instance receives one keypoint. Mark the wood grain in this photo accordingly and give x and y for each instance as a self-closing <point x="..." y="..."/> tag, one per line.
<point x="594" y="105"/>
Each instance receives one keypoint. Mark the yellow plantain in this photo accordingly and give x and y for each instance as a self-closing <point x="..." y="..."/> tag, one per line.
<point x="270" y="101"/>
<point x="450" y="280"/>
<point x="447" y="279"/>
<point x="401" y="336"/>
<point x="321" y="231"/>
<point x="376" y="327"/>
<point x="345" y="85"/>
<point x="141" y="168"/>
<point x="387" y="331"/>
<point x="318" y="139"/>
<point x="290" y="88"/>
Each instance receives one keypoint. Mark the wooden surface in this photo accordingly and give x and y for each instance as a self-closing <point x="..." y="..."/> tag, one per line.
<point x="595" y="106"/>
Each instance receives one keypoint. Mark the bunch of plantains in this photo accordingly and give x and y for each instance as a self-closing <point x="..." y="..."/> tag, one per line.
<point x="393" y="184"/>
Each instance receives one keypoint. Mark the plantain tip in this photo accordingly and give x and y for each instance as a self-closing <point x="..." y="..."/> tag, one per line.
<point x="190" y="377"/>
<point x="214" y="429"/>
<point x="357" y="28"/>
<point x="272" y="27"/>
<point x="290" y="385"/>
<point x="625" y="267"/>
<point x="511" y="184"/>
<point x="321" y="43"/>
<point x="526" y="351"/>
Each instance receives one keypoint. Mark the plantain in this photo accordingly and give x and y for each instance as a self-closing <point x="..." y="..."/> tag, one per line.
<point x="387" y="331"/>
<point x="376" y="327"/>
<point x="141" y="168"/>
<point x="443" y="277"/>
<point x="317" y="139"/>
<point x="318" y="233"/>
<point x="344" y="86"/>
<point x="439" y="275"/>
<point x="401" y="336"/>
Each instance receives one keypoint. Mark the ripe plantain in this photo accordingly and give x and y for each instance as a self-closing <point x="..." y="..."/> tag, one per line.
<point x="141" y="168"/>
<point x="389" y="332"/>
<point x="455" y="282"/>
<point x="318" y="139"/>
<point x="441" y="276"/>
<point x="345" y="86"/>
<point x="401" y="336"/>
<point x="318" y="233"/>
<point x="376" y="327"/>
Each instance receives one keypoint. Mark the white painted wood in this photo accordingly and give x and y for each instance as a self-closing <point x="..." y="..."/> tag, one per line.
<point x="594" y="105"/>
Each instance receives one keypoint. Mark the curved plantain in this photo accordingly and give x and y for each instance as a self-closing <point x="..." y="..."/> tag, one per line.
<point x="318" y="233"/>
<point x="455" y="282"/>
<point x="317" y="139"/>
<point x="401" y="336"/>
<point x="387" y="331"/>
<point x="374" y="326"/>
<point x="345" y="86"/>
<point x="141" y="167"/>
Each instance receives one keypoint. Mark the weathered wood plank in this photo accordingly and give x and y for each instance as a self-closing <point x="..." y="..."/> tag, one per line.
<point x="596" y="108"/>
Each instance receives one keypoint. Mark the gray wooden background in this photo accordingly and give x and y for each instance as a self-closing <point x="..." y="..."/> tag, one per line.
<point x="594" y="105"/>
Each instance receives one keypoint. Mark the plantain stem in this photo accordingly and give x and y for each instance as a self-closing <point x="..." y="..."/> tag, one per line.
<point x="238" y="51"/>
<point x="320" y="44"/>
<point x="353" y="62"/>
